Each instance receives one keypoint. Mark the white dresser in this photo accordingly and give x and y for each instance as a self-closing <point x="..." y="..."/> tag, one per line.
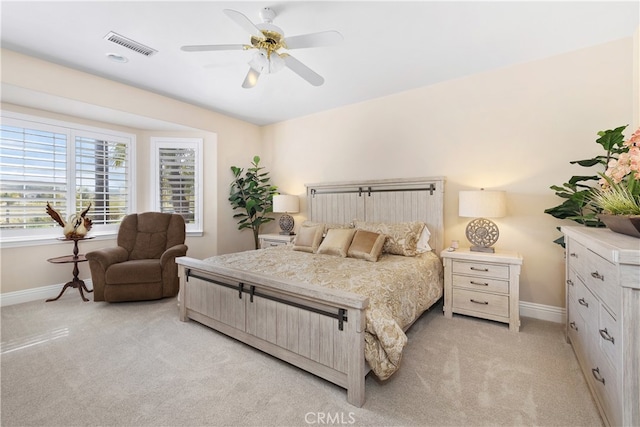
<point x="603" y="318"/>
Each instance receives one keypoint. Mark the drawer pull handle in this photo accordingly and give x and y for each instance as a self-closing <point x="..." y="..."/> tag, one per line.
<point x="570" y="282"/>
<point x="583" y="302"/>
<point x="573" y="254"/>
<point x="479" y="269"/>
<point x="597" y="275"/>
<point x="573" y="325"/>
<point x="596" y="375"/>
<point x="478" y="283"/>
<point x="605" y="335"/>
<point x="479" y="302"/>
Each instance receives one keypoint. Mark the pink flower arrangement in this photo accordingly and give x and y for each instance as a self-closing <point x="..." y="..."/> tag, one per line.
<point x="627" y="164"/>
<point x="619" y="192"/>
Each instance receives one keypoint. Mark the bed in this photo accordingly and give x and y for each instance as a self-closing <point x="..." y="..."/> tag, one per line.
<point x="334" y="315"/>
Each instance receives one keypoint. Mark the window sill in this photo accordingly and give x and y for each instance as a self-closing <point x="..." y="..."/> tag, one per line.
<point x="49" y="240"/>
<point x="53" y="240"/>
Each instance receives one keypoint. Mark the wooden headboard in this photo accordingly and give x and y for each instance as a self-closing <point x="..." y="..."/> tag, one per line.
<point x="389" y="200"/>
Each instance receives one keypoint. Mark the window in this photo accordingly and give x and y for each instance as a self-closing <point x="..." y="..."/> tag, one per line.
<point x="177" y="178"/>
<point x="67" y="165"/>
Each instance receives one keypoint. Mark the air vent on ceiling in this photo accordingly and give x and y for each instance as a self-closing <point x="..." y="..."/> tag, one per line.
<point x="129" y="44"/>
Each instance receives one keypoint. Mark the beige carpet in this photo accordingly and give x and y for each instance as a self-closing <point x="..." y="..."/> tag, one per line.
<point x="69" y="362"/>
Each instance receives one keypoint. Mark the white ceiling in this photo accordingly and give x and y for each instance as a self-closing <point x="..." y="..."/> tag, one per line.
<point x="388" y="47"/>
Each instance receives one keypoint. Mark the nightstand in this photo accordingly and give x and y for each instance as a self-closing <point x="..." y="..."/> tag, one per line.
<point x="267" y="240"/>
<point x="484" y="285"/>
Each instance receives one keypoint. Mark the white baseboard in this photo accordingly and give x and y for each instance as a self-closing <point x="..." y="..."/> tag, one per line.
<point x="543" y="312"/>
<point x="35" y="294"/>
<point x="527" y="309"/>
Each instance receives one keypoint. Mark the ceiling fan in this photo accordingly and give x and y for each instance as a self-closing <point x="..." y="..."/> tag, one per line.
<point x="268" y="40"/>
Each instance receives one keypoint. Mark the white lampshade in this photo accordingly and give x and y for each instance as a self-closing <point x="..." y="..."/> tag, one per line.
<point x="482" y="204"/>
<point x="286" y="203"/>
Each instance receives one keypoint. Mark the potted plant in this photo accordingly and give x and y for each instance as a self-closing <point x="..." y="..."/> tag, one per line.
<point x="619" y="192"/>
<point x="579" y="205"/>
<point x="251" y="194"/>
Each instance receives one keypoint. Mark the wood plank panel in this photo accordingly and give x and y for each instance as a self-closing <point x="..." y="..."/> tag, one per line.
<point x="292" y="328"/>
<point x="215" y="301"/>
<point x="326" y="339"/>
<point x="304" y="333"/>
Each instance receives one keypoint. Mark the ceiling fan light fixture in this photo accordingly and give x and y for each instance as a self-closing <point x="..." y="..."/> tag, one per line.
<point x="264" y="63"/>
<point x="260" y="62"/>
<point x="275" y="63"/>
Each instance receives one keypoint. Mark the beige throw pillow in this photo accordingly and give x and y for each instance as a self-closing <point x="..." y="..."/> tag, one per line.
<point x="337" y="241"/>
<point x="402" y="237"/>
<point x="308" y="238"/>
<point x="326" y="225"/>
<point x="366" y="245"/>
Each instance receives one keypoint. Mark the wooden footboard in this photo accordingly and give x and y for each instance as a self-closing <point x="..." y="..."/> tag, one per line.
<point x="316" y="329"/>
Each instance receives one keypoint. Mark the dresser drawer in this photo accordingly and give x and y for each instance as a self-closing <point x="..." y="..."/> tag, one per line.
<point x="478" y="269"/>
<point x="577" y="332"/>
<point x="609" y="336"/>
<point x="480" y="283"/>
<point x="602" y="279"/>
<point x="481" y="302"/>
<point x="576" y="255"/>
<point x="605" y="382"/>
<point x="587" y="305"/>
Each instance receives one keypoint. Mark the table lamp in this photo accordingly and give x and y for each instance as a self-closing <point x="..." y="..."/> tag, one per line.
<point x="482" y="204"/>
<point x="286" y="204"/>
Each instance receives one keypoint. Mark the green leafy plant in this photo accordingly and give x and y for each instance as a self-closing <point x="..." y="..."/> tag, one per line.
<point x="252" y="195"/>
<point x="579" y="204"/>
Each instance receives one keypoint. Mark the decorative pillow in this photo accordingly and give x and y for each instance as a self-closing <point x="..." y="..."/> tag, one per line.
<point x="402" y="237"/>
<point x="326" y="226"/>
<point x="337" y="241"/>
<point x="308" y="238"/>
<point x="423" y="241"/>
<point x="366" y="245"/>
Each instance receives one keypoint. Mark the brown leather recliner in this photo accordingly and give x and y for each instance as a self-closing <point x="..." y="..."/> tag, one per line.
<point x="142" y="266"/>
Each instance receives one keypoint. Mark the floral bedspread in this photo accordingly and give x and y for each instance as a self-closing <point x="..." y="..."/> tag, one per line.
<point x="399" y="289"/>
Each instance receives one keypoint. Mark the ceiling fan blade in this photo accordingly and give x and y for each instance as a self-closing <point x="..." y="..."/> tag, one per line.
<point x="210" y="47"/>
<point x="244" y="22"/>
<point x="302" y="70"/>
<point x="323" y="38"/>
<point x="251" y="79"/>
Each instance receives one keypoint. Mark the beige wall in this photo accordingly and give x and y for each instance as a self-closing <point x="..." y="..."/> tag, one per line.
<point x="227" y="141"/>
<point x="515" y="129"/>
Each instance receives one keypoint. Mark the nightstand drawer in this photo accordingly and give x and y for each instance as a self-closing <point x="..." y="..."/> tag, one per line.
<point x="481" y="269"/>
<point x="481" y="302"/>
<point x="271" y="240"/>
<point x="480" y="284"/>
<point x="266" y="243"/>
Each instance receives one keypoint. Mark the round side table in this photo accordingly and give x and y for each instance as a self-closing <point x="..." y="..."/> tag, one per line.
<point x="75" y="259"/>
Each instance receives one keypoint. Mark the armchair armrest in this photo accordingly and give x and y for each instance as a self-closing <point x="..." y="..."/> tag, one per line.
<point x="108" y="256"/>
<point x="172" y="253"/>
<point x="99" y="261"/>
